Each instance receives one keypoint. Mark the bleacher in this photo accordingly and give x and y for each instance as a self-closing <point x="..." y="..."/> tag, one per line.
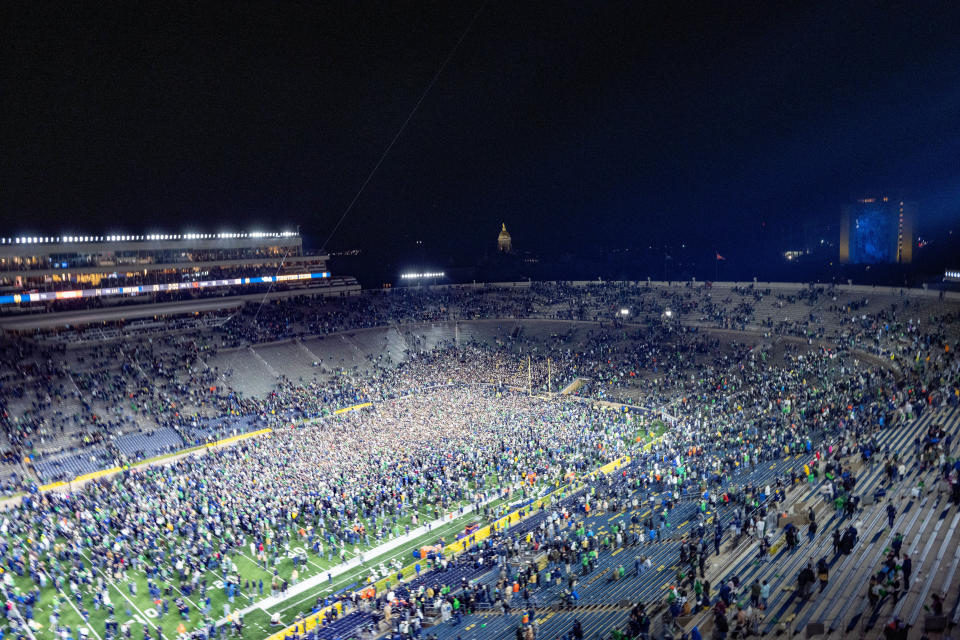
<point x="140" y="445"/>
<point x="596" y="624"/>
<point x="923" y="521"/>
<point x="11" y="474"/>
<point x="614" y="596"/>
<point x="336" y="352"/>
<point x="67" y="466"/>
<point x="213" y="429"/>
<point x="244" y="371"/>
<point x="346" y="626"/>
<point x="106" y="381"/>
<point x="290" y="360"/>
<point x="841" y="610"/>
<point x="605" y="602"/>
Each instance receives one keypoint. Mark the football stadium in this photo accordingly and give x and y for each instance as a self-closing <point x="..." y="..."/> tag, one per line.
<point x="539" y="459"/>
<point x="479" y="320"/>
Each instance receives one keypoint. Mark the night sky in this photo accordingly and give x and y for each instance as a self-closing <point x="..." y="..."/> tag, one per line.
<point x="594" y="125"/>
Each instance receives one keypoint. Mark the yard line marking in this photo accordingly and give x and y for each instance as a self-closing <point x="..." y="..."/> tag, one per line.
<point x="118" y="590"/>
<point x="89" y="626"/>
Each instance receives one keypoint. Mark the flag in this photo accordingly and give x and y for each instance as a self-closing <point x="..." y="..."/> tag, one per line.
<point x="720" y="257"/>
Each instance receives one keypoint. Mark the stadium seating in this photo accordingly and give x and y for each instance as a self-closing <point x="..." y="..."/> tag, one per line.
<point x="70" y="465"/>
<point x="148" y="444"/>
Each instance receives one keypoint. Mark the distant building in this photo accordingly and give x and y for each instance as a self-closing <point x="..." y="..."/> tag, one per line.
<point x="504" y="242"/>
<point x="877" y="230"/>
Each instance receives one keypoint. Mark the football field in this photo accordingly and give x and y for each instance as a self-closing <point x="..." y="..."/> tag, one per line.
<point x="130" y="604"/>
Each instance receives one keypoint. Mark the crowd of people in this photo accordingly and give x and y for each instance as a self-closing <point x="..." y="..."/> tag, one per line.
<point x="449" y="426"/>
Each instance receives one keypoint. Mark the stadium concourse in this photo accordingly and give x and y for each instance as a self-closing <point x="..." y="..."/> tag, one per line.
<point x="781" y="444"/>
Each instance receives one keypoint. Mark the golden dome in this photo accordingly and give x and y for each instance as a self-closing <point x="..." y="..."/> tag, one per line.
<point x="504" y="242"/>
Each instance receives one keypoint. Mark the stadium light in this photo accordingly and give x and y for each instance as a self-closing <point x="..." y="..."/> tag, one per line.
<point x="624" y="312"/>
<point x="152" y="237"/>
<point x="668" y="313"/>
<point x="428" y="274"/>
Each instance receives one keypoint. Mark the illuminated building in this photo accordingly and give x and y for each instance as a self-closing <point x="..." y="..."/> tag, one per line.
<point x="46" y="269"/>
<point x="791" y="256"/>
<point x="504" y="242"/>
<point x="877" y="230"/>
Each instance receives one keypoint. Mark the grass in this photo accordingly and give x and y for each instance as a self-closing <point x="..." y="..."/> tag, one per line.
<point x="647" y="432"/>
<point x="139" y="611"/>
<point x="142" y="614"/>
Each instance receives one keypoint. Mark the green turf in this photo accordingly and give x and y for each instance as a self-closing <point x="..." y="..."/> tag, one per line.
<point x="139" y="610"/>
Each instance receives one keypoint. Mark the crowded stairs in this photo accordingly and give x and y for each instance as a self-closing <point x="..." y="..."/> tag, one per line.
<point x="841" y="609"/>
<point x="915" y="503"/>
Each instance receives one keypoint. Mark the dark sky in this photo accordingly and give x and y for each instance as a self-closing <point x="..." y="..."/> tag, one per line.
<point x="602" y="124"/>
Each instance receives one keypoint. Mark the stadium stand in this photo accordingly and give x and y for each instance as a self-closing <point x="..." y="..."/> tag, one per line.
<point x="751" y="407"/>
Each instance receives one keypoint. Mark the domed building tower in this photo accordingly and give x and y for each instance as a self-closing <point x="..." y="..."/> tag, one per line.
<point x="504" y="242"/>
